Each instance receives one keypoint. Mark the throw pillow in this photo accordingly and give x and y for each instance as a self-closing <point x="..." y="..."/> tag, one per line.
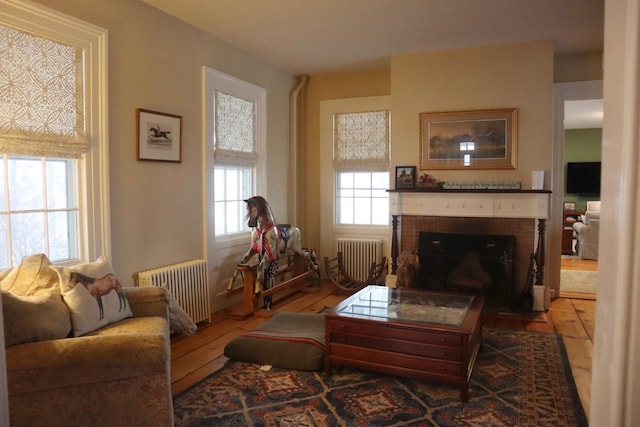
<point x="179" y="320"/>
<point x="34" y="318"/>
<point x="41" y="314"/>
<point x="31" y="277"/>
<point x="93" y="294"/>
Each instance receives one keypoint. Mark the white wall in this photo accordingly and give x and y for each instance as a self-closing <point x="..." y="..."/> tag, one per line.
<point x="615" y="386"/>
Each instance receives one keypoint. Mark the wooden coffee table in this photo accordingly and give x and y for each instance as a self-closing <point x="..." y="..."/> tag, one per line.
<point x="416" y="334"/>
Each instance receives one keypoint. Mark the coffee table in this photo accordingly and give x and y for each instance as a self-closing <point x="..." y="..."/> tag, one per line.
<point x="416" y="334"/>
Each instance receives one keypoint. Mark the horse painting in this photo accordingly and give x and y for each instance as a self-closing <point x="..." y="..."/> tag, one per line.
<point x="158" y="133"/>
<point x="100" y="287"/>
<point x="268" y="240"/>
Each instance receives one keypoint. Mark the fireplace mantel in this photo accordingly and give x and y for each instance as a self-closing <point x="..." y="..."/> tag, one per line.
<point x="471" y="203"/>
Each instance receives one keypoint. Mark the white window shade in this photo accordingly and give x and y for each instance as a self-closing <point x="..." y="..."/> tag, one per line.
<point x="235" y="132"/>
<point x="361" y="141"/>
<point x="41" y="97"/>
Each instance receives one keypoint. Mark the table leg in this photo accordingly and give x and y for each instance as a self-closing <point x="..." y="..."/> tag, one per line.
<point x="464" y="392"/>
<point x="327" y="367"/>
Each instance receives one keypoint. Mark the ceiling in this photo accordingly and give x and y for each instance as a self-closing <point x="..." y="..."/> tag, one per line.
<point x="312" y="36"/>
<point x="316" y="36"/>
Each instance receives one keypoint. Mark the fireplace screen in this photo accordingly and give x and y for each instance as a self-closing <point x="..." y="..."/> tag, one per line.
<point x="479" y="264"/>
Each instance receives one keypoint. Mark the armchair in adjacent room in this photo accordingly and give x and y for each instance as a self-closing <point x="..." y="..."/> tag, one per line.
<point x="588" y="232"/>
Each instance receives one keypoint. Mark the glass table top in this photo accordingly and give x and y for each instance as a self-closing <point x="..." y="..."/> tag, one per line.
<point x="402" y="304"/>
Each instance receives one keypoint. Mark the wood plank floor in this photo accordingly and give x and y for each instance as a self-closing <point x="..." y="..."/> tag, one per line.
<point x="194" y="358"/>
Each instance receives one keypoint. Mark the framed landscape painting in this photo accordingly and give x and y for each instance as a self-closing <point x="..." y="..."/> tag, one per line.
<point x="477" y="139"/>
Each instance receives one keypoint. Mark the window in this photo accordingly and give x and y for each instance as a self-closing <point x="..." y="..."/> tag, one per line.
<point x="39" y="208"/>
<point x="361" y="160"/>
<point x="236" y="139"/>
<point x="52" y="168"/>
<point x="232" y="187"/>
<point x="362" y="198"/>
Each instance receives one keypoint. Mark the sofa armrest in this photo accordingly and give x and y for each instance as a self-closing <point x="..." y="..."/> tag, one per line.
<point x="580" y="228"/>
<point x="588" y="231"/>
<point x="147" y="301"/>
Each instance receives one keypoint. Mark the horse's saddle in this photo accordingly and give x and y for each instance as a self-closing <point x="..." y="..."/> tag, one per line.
<point x="284" y="230"/>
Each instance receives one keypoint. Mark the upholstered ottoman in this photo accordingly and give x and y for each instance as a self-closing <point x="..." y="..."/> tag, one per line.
<point x="287" y="340"/>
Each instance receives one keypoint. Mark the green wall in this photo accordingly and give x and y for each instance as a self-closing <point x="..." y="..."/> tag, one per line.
<point x="581" y="145"/>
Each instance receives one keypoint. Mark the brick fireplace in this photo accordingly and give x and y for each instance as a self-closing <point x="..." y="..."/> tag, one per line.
<point x="506" y="213"/>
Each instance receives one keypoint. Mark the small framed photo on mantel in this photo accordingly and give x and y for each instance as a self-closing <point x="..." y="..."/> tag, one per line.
<point x="159" y="136"/>
<point x="405" y="177"/>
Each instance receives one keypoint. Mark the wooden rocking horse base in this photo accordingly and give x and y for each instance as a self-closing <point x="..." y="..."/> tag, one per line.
<point x="290" y="281"/>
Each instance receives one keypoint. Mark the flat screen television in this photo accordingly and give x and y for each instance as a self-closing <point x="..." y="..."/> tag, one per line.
<point x="583" y="178"/>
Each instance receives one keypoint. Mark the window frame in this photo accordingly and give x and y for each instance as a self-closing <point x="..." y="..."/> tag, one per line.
<point x="330" y="230"/>
<point x="93" y="169"/>
<point x="214" y="80"/>
<point x="356" y="165"/>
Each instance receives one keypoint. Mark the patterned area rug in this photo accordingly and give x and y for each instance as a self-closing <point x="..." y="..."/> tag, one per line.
<point x="520" y="379"/>
<point x="578" y="281"/>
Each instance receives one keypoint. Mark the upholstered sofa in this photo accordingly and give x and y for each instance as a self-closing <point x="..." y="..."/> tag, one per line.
<point x="588" y="232"/>
<point x="117" y="374"/>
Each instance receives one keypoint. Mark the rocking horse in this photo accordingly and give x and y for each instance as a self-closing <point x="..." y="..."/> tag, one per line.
<point x="268" y="241"/>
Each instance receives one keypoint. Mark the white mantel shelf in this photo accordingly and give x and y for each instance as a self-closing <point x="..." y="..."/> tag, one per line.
<point x="471" y="203"/>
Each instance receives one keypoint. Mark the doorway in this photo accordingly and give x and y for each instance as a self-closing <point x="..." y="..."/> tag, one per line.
<point x="577" y="139"/>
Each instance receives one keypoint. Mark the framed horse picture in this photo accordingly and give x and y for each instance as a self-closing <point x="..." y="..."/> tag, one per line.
<point x="159" y="136"/>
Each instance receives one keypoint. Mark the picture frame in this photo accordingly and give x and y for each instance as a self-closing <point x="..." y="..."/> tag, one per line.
<point x="569" y="206"/>
<point x="405" y="177"/>
<point x="159" y="136"/>
<point x="474" y="139"/>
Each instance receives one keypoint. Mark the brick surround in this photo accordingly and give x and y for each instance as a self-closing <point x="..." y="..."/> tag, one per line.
<point x="523" y="228"/>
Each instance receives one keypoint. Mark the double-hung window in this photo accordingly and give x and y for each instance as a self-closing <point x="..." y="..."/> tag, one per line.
<point x="235" y="129"/>
<point x="361" y="162"/>
<point x="49" y="172"/>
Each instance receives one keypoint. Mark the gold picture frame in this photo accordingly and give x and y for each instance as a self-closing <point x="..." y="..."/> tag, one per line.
<point x="475" y="139"/>
<point x="159" y="136"/>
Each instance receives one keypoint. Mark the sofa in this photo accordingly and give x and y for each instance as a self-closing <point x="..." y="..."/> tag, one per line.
<point x="77" y="356"/>
<point x="587" y="232"/>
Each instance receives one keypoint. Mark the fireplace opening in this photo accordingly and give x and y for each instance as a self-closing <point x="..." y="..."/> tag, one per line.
<point x="471" y="263"/>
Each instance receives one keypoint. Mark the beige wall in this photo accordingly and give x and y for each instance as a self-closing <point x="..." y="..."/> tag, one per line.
<point x="508" y="76"/>
<point x="519" y="76"/>
<point x="155" y="62"/>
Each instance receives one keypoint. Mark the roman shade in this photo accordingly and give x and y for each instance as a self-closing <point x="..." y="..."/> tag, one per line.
<point x="235" y="131"/>
<point x="361" y="141"/>
<point x="41" y="96"/>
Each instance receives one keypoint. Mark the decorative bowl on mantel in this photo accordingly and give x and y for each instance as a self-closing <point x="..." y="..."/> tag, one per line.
<point x="428" y="182"/>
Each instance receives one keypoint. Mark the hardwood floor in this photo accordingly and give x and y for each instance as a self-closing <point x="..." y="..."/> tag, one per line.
<point x="575" y="263"/>
<point x="194" y="358"/>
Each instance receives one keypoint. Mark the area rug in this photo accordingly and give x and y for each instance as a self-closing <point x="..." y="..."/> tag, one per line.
<point x="578" y="281"/>
<point x="520" y="379"/>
